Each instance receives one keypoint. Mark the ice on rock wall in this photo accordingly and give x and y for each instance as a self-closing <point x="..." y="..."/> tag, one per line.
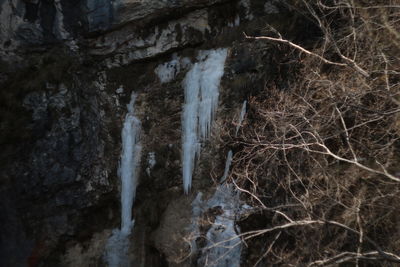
<point x="241" y="117"/>
<point x="235" y="23"/>
<point x="151" y="162"/>
<point x="118" y="244"/>
<point x="223" y="244"/>
<point x="130" y="162"/>
<point x="116" y="251"/>
<point x="167" y="71"/>
<point x="201" y="86"/>
<point x="227" y="165"/>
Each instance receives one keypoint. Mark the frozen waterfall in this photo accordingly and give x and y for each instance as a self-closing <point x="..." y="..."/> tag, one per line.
<point x="118" y="244"/>
<point x="130" y="161"/>
<point x="201" y="86"/>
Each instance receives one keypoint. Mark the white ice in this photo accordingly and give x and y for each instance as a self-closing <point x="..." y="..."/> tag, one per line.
<point x="241" y="117"/>
<point x="167" y="71"/>
<point x="151" y="162"/>
<point x="227" y="166"/>
<point x="201" y="86"/>
<point x="130" y="162"/>
<point x="223" y="247"/>
<point x="116" y="250"/>
<point x="118" y="244"/>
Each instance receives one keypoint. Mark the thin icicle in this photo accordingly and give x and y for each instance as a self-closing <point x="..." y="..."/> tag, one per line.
<point x="118" y="244"/>
<point x="227" y="166"/>
<point x="201" y="86"/>
<point x="212" y="70"/>
<point x="151" y="162"/>
<point x="241" y="117"/>
<point x="190" y="110"/>
<point x="130" y="161"/>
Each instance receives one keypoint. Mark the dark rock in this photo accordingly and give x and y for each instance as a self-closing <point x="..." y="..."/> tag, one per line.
<point x="58" y="176"/>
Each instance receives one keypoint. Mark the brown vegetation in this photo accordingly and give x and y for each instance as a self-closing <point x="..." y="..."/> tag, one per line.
<point x="321" y="161"/>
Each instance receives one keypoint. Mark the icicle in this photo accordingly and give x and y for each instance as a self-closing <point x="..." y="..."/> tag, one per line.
<point x="118" y="244"/>
<point x="241" y="117"/>
<point x="130" y="161"/>
<point x="201" y="86"/>
<point x="190" y="110"/>
<point x="227" y="166"/>
<point x="212" y="70"/>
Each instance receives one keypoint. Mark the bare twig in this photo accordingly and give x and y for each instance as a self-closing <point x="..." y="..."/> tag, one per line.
<point x="349" y="256"/>
<point x="268" y="250"/>
<point x="280" y="40"/>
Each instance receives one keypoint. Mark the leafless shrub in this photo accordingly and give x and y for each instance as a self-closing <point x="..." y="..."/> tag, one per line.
<point x="321" y="161"/>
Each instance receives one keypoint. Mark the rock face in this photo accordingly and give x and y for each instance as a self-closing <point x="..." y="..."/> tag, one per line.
<point x="72" y="66"/>
<point x="57" y="172"/>
<point x="104" y="15"/>
<point x="125" y="45"/>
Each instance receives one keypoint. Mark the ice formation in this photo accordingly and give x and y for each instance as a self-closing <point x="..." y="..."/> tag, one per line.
<point x="118" y="244"/>
<point x="130" y="162"/>
<point x="201" y="86"/>
<point x="223" y="247"/>
<point x="235" y="23"/>
<point x="166" y="72"/>
<point x="241" y="117"/>
<point x="223" y="244"/>
<point x="227" y="165"/>
<point x="151" y="162"/>
<point x="116" y="251"/>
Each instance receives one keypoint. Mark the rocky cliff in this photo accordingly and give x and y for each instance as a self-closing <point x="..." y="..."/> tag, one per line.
<point x="68" y="70"/>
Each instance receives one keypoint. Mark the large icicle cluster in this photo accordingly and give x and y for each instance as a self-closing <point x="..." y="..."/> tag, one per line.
<point x="201" y="86"/>
<point x="118" y="244"/>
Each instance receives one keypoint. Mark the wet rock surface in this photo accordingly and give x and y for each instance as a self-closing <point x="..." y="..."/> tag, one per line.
<point x="59" y="187"/>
